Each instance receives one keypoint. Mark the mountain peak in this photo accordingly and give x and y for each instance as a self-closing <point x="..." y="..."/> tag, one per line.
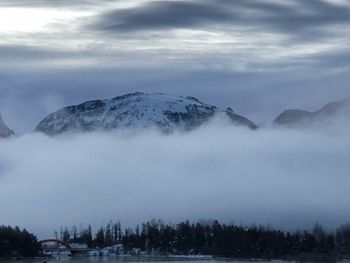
<point x="136" y="110"/>
<point x="4" y="130"/>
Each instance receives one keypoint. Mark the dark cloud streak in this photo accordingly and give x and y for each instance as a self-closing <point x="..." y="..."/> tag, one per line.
<point x="305" y="19"/>
<point x="162" y="15"/>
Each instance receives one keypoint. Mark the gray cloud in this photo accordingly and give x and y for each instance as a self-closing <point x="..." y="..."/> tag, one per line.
<point x="292" y="18"/>
<point x="31" y="54"/>
<point x="162" y="15"/>
<point x="332" y="60"/>
<point x="49" y="3"/>
<point x="305" y="18"/>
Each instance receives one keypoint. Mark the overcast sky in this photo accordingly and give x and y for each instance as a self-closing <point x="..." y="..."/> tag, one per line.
<point x="257" y="56"/>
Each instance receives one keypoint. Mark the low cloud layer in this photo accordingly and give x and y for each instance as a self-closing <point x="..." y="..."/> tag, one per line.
<point x="289" y="179"/>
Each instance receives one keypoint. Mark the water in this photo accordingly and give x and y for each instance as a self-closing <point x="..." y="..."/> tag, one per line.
<point x="139" y="259"/>
<point x="115" y="259"/>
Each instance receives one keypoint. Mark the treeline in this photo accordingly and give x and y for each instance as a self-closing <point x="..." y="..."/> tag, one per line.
<point x="214" y="238"/>
<point x="106" y="236"/>
<point x="15" y="242"/>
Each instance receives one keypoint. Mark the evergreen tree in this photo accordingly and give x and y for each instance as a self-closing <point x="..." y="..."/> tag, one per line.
<point x="66" y="235"/>
<point x="109" y="235"/>
<point x="100" y="238"/>
<point x="16" y="242"/>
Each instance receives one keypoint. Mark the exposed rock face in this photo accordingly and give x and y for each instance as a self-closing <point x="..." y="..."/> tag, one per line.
<point x="338" y="111"/>
<point x="4" y="130"/>
<point x="137" y="111"/>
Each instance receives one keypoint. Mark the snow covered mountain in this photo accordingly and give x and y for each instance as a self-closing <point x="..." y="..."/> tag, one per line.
<point x="337" y="112"/>
<point x="4" y="130"/>
<point x="136" y="110"/>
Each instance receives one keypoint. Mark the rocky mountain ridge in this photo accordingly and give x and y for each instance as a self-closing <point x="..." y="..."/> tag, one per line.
<point x="5" y="131"/>
<point x="337" y="111"/>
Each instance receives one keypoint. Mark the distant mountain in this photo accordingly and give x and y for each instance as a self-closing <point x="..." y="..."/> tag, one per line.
<point x="338" y="111"/>
<point x="136" y="111"/>
<point x="4" y="130"/>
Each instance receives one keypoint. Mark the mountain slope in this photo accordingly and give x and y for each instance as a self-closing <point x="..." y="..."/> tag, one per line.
<point x="136" y="110"/>
<point x="4" y="130"/>
<point x="338" y="111"/>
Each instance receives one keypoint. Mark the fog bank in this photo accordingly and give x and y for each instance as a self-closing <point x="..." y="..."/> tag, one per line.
<point x="289" y="179"/>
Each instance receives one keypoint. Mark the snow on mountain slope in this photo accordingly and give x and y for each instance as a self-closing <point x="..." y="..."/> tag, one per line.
<point x="4" y="130"/>
<point x="138" y="111"/>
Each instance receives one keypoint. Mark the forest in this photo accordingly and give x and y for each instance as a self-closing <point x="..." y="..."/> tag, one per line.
<point x="15" y="242"/>
<point x="217" y="239"/>
<point x="193" y="238"/>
